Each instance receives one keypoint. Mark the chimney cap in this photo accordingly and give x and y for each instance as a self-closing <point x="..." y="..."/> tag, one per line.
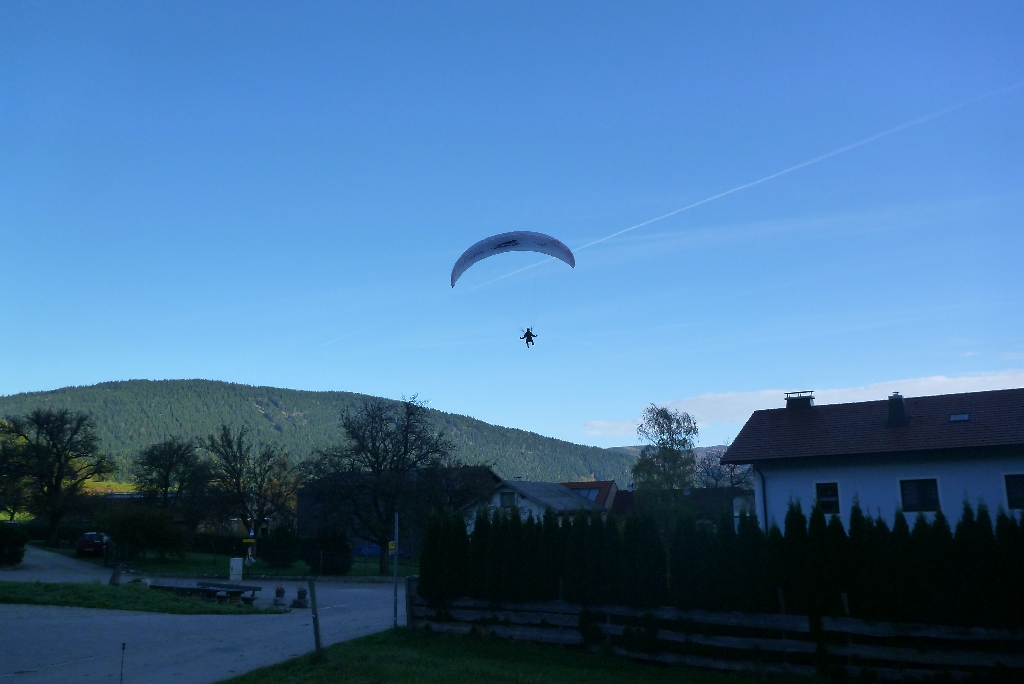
<point x="802" y="399"/>
<point x="799" y="394"/>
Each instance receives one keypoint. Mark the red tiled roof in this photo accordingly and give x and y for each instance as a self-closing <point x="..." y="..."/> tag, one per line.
<point x="603" y="487"/>
<point x="996" y="419"/>
<point x="623" y="503"/>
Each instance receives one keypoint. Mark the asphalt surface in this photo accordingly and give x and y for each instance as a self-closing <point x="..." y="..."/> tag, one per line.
<point x="57" y="644"/>
<point x="46" y="566"/>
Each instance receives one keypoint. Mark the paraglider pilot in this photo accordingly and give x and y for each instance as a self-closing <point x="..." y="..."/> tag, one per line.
<point x="528" y="336"/>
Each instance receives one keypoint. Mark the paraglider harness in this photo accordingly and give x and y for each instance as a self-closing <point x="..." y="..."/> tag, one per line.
<point x="528" y="336"/>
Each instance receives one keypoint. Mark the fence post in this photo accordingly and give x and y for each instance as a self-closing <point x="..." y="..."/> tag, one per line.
<point x="411" y="587"/>
<point x="817" y="631"/>
<point x="395" y="625"/>
<point x="316" y="614"/>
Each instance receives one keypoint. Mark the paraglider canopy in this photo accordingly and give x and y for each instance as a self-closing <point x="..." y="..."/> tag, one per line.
<point x="516" y="241"/>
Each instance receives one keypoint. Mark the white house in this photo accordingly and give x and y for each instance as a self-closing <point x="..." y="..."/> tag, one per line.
<point x="916" y="454"/>
<point x="535" y="498"/>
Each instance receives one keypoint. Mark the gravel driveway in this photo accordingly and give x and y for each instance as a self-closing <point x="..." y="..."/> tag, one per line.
<point x="58" y="644"/>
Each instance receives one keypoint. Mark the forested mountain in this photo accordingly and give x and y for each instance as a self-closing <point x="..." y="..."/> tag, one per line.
<point x="135" y="413"/>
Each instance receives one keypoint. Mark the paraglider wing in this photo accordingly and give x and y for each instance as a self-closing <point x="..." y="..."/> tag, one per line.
<point x="516" y="241"/>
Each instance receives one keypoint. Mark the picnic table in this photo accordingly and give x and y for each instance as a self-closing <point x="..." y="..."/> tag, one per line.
<point x="180" y="590"/>
<point x="234" y="591"/>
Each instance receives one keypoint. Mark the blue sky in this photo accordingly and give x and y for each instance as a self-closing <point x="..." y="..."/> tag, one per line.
<point x="275" y="194"/>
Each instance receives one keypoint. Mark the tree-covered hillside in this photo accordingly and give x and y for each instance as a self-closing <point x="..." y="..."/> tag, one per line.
<point x="133" y="414"/>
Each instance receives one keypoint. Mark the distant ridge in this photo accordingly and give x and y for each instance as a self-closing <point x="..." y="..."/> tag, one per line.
<point x="134" y="413"/>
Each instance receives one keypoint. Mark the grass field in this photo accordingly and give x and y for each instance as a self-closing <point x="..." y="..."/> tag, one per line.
<point x="196" y="564"/>
<point x="107" y="487"/>
<point x="400" y="656"/>
<point x="126" y="597"/>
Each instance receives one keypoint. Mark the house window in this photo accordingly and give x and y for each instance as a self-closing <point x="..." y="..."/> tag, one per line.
<point x="920" y="496"/>
<point x="1015" y="491"/>
<point x="508" y="499"/>
<point x="827" y="494"/>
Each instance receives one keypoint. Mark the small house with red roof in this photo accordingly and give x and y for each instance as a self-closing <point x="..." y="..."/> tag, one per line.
<point x="915" y="454"/>
<point x="601" y="492"/>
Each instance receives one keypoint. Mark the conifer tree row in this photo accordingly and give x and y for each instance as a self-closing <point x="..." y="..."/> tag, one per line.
<point x="925" y="572"/>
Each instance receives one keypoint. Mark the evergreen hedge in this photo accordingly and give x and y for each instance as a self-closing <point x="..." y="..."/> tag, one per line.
<point x="921" y="573"/>
<point x="13" y="538"/>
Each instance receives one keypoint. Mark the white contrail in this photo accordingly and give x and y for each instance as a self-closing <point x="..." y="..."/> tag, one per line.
<point x="827" y="155"/>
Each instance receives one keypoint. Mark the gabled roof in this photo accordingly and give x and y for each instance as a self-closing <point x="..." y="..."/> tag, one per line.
<point x="603" y="487"/>
<point x="551" y="495"/>
<point x="995" y="419"/>
<point x="623" y="503"/>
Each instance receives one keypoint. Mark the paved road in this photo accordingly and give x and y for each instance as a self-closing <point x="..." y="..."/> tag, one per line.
<point x="47" y="566"/>
<point x="43" y="644"/>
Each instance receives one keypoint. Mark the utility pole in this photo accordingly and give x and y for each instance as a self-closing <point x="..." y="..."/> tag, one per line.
<point x="395" y="551"/>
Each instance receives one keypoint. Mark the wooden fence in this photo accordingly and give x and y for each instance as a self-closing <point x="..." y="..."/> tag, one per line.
<point x="736" y="641"/>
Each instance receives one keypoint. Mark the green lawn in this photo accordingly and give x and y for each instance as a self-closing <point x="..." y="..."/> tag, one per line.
<point x="400" y="656"/>
<point x="195" y="564"/>
<point x="130" y="596"/>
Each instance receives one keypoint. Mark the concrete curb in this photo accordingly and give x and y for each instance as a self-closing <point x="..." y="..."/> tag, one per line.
<point x="356" y="579"/>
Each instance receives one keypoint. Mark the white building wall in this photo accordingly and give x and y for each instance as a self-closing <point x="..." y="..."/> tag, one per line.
<point x="526" y="506"/>
<point x="875" y="482"/>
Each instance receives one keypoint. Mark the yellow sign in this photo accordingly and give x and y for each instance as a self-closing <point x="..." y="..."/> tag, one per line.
<point x="248" y="541"/>
<point x="392" y="548"/>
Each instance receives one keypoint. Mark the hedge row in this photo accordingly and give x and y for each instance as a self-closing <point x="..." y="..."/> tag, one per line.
<point x="13" y="538"/>
<point x="925" y="573"/>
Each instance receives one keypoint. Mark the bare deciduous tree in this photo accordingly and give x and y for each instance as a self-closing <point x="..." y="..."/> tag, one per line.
<point x="61" y="452"/>
<point x="14" y="482"/>
<point x="711" y="472"/>
<point x="178" y="477"/>
<point x="379" y="467"/>
<point x="254" y="481"/>
<point x="163" y="468"/>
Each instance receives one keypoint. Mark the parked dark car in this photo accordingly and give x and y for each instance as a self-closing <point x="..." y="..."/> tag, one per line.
<point x="92" y="544"/>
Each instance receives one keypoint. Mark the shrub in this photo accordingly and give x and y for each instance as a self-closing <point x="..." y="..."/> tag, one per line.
<point x="279" y="549"/>
<point x="445" y="559"/>
<point x="226" y="544"/>
<point x="69" y="532"/>
<point x="136" y="530"/>
<point x="13" y="538"/>
<point x="644" y="562"/>
<point x="329" y="553"/>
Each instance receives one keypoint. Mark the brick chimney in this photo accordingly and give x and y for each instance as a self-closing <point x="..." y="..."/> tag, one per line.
<point x="898" y="416"/>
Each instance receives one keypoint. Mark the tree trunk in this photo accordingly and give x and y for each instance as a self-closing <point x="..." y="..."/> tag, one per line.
<point x="51" y="532"/>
